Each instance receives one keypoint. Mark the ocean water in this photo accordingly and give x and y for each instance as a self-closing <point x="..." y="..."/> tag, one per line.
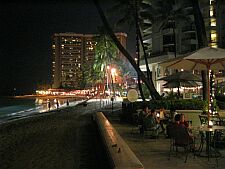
<point x="12" y="108"/>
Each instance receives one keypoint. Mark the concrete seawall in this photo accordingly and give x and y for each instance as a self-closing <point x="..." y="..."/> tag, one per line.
<point x="120" y="155"/>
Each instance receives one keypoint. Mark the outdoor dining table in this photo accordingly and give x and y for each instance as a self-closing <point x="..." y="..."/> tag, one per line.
<point x="209" y="152"/>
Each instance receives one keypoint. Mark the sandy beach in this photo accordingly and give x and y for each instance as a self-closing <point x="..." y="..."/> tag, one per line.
<point x="60" y="139"/>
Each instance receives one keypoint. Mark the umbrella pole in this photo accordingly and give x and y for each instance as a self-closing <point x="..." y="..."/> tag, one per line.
<point x="178" y="92"/>
<point x="208" y="68"/>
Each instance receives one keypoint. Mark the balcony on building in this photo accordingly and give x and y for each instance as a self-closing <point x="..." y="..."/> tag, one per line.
<point x="147" y="30"/>
<point x="147" y="38"/>
<point x="167" y="31"/>
<point x="190" y="41"/>
<point x="188" y="29"/>
<point x="160" y="56"/>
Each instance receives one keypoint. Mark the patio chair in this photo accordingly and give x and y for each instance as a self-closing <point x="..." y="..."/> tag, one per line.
<point x="153" y="132"/>
<point x="221" y="120"/>
<point x="180" y="139"/>
<point x="151" y="127"/>
<point x="218" y="139"/>
<point x="203" y="119"/>
<point x="136" y="126"/>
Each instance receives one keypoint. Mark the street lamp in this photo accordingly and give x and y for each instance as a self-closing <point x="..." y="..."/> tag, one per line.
<point x="107" y="78"/>
<point x="113" y="73"/>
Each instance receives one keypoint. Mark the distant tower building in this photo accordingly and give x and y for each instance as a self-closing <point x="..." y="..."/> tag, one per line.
<point x="71" y="54"/>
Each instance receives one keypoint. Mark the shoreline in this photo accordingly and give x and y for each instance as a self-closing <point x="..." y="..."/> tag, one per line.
<point x="39" y="106"/>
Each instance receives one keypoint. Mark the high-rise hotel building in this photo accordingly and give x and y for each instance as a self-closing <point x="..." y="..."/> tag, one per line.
<point x="178" y="37"/>
<point x="72" y="53"/>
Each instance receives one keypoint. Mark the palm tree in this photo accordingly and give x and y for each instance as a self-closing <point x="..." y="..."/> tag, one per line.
<point x="131" y="16"/>
<point x="150" y="86"/>
<point x="105" y="54"/>
<point x="130" y="10"/>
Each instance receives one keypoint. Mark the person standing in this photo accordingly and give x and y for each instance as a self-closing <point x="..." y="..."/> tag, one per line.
<point x="57" y="104"/>
<point x="49" y="105"/>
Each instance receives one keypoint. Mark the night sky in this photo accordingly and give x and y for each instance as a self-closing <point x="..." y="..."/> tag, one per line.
<point x="25" y="32"/>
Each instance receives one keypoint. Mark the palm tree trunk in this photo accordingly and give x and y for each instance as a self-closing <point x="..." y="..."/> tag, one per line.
<point x="174" y="36"/>
<point x="153" y="92"/>
<point x="138" y="49"/>
<point x="139" y="79"/>
<point x="124" y="51"/>
<point x="202" y="41"/>
<point x="200" y="25"/>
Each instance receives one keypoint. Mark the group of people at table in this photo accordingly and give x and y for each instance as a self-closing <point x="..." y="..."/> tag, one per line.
<point x="160" y="121"/>
<point x="165" y="123"/>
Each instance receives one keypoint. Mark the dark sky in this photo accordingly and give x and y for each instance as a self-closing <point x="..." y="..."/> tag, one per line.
<point x="25" y="38"/>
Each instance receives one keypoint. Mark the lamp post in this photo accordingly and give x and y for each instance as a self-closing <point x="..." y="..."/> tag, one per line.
<point x="107" y="78"/>
<point x="113" y="73"/>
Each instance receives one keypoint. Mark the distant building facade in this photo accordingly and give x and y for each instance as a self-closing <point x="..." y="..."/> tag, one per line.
<point x="178" y="38"/>
<point x="71" y="54"/>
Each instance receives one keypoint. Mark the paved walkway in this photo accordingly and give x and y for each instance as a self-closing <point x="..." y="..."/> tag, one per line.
<point x="153" y="153"/>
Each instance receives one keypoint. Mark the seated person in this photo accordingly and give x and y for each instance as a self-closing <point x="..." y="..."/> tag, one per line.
<point x="183" y="121"/>
<point x="151" y="121"/>
<point x="162" y="113"/>
<point x="178" y="129"/>
<point x="163" y="119"/>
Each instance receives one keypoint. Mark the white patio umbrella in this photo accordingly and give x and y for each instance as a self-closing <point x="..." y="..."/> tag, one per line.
<point x="207" y="58"/>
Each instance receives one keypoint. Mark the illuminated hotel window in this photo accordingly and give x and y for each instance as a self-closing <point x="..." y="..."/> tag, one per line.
<point x="213" y="22"/>
<point x="211" y="2"/>
<point x="211" y="12"/>
<point x="214" y="45"/>
<point x="213" y="36"/>
<point x="90" y="48"/>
